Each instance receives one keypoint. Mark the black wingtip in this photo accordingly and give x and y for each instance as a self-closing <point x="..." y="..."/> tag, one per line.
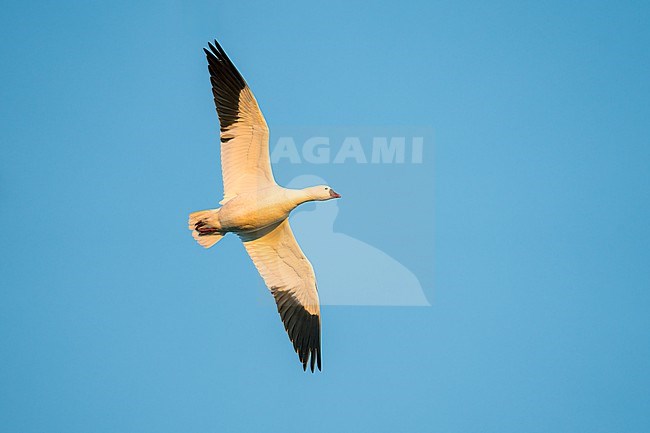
<point x="216" y="50"/>
<point x="303" y="328"/>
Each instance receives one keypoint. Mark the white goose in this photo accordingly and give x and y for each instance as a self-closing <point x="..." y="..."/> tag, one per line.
<point x="256" y="208"/>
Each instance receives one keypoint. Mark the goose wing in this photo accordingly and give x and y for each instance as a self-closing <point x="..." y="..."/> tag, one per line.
<point x="290" y="277"/>
<point x="245" y="161"/>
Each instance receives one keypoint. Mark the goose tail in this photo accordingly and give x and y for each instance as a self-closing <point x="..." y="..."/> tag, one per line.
<point x="205" y="227"/>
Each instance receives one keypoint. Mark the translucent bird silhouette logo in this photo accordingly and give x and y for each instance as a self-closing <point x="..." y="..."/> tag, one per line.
<point x="350" y="271"/>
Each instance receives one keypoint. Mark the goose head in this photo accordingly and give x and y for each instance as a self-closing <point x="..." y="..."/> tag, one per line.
<point x="321" y="193"/>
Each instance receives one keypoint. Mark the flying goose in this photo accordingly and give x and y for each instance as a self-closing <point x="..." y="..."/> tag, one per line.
<point x="256" y="208"/>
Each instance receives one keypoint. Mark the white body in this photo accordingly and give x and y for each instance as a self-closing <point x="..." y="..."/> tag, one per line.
<point x="258" y="209"/>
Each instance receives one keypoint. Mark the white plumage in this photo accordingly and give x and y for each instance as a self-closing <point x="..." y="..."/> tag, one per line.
<point x="256" y="208"/>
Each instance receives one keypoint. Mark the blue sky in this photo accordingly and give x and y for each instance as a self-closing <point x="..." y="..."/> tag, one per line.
<point x="531" y="239"/>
